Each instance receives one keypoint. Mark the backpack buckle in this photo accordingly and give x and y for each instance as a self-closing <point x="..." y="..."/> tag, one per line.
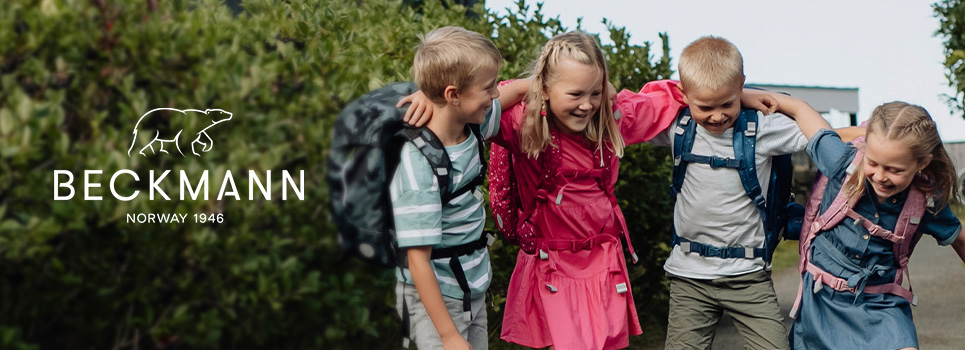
<point x="714" y="251"/>
<point x="760" y="201"/>
<point x="751" y="129"/>
<point x="749" y="253"/>
<point x="685" y="247"/>
<point x="685" y="120"/>
<point x="717" y="162"/>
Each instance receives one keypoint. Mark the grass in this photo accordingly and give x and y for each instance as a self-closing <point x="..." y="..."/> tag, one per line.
<point x="785" y="256"/>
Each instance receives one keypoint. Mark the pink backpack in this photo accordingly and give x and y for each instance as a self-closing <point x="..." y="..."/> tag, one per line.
<point x="904" y="238"/>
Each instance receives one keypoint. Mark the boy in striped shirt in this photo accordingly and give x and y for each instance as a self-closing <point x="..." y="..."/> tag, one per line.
<point x="456" y="69"/>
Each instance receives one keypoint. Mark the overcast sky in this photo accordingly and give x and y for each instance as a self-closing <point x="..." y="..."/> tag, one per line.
<point x="885" y="48"/>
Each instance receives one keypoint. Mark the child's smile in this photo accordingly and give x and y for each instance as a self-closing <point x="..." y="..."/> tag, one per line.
<point x="574" y="97"/>
<point x="889" y="166"/>
<point x="714" y="109"/>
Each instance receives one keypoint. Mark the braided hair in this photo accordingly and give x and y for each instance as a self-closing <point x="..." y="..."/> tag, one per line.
<point x="914" y="128"/>
<point x="578" y="47"/>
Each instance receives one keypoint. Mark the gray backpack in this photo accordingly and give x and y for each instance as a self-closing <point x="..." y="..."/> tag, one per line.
<point x="367" y="138"/>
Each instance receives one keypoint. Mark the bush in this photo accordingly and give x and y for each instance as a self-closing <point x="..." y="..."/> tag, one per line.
<point x="76" y="77"/>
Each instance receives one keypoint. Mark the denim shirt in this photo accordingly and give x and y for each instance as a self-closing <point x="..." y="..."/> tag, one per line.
<point x="848" y="250"/>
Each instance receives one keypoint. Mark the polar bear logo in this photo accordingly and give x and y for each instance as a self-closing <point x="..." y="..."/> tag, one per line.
<point x="163" y="138"/>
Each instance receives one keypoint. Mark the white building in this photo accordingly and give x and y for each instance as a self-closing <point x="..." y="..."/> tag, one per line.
<point x="838" y="105"/>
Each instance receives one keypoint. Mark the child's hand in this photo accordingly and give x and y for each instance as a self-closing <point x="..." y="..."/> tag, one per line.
<point x="455" y="342"/>
<point x="760" y="100"/>
<point x="419" y="111"/>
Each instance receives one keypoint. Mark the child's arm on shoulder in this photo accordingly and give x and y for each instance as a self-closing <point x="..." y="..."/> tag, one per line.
<point x="512" y="92"/>
<point x="809" y="120"/>
<point x="848" y="134"/>
<point x="427" y="287"/>
<point x="419" y="111"/>
<point x="643" y="115"/>
<point x="802" y="112"/>
<point x="761" y="100"/>
<point x="421" y="108"/>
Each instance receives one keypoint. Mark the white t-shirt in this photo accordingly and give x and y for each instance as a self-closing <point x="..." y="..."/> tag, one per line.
<point x="712" y="207"/>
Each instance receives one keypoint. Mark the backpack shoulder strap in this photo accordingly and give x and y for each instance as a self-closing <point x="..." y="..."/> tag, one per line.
<point x="431" y="147"/>
<point x="908" y="221"/>
<point x="683" y="141"/>
<point x="483" y="167"/>
<point x="745" y="144"/>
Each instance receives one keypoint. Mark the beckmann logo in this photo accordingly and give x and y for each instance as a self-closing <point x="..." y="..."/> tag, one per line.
<point x="199" y="137"/>
<point x="195" y="140"/>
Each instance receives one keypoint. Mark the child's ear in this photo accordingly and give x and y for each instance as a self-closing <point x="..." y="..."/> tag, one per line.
<point x="451" y="94"/>
<point x="683" y="93"/>
<point x="924" y="162"/>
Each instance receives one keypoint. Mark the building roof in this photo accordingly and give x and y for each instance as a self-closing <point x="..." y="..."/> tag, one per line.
<point x="822" y="98"/>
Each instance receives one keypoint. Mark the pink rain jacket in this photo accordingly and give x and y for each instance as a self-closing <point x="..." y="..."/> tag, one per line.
<point x="574" y="292"/>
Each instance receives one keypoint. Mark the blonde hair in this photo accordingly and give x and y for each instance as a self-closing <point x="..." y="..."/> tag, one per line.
<point x="709" y="63"/>
<point x="580" y="48"/>
<point x="911" y="125"/>
<point x="451" y="56"/>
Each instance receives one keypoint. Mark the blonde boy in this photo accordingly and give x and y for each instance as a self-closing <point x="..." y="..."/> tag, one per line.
<point x="713" y="209"/>
<point x="443" y="298"/>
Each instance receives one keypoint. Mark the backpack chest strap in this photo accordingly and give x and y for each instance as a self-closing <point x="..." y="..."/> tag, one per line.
<point x="706" y="250"/>
<point x="714" y="161"/>
<point x="873" y="228"/>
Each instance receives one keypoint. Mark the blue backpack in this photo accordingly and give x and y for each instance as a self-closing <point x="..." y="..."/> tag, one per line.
<point x="781" y="215"/>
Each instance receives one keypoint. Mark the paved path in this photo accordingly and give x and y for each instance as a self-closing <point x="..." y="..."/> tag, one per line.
<point x="939" y="281"/>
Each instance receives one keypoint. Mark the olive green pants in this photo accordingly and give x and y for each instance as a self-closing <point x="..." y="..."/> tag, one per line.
<point x="697" y="305"/>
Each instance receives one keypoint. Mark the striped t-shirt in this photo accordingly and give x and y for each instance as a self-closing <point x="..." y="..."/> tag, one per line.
<point x="420" y="219"/>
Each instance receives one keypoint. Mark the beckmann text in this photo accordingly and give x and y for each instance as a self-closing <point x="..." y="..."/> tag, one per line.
<point x="228" y="188"/>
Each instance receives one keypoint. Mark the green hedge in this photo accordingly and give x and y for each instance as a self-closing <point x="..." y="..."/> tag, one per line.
<point x="77" y="75"/>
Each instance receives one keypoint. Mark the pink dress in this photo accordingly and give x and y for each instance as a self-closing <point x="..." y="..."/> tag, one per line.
<point x="577" y="294"/>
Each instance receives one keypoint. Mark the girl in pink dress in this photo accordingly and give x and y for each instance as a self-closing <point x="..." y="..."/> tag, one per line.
<point x="570" y="288"/>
